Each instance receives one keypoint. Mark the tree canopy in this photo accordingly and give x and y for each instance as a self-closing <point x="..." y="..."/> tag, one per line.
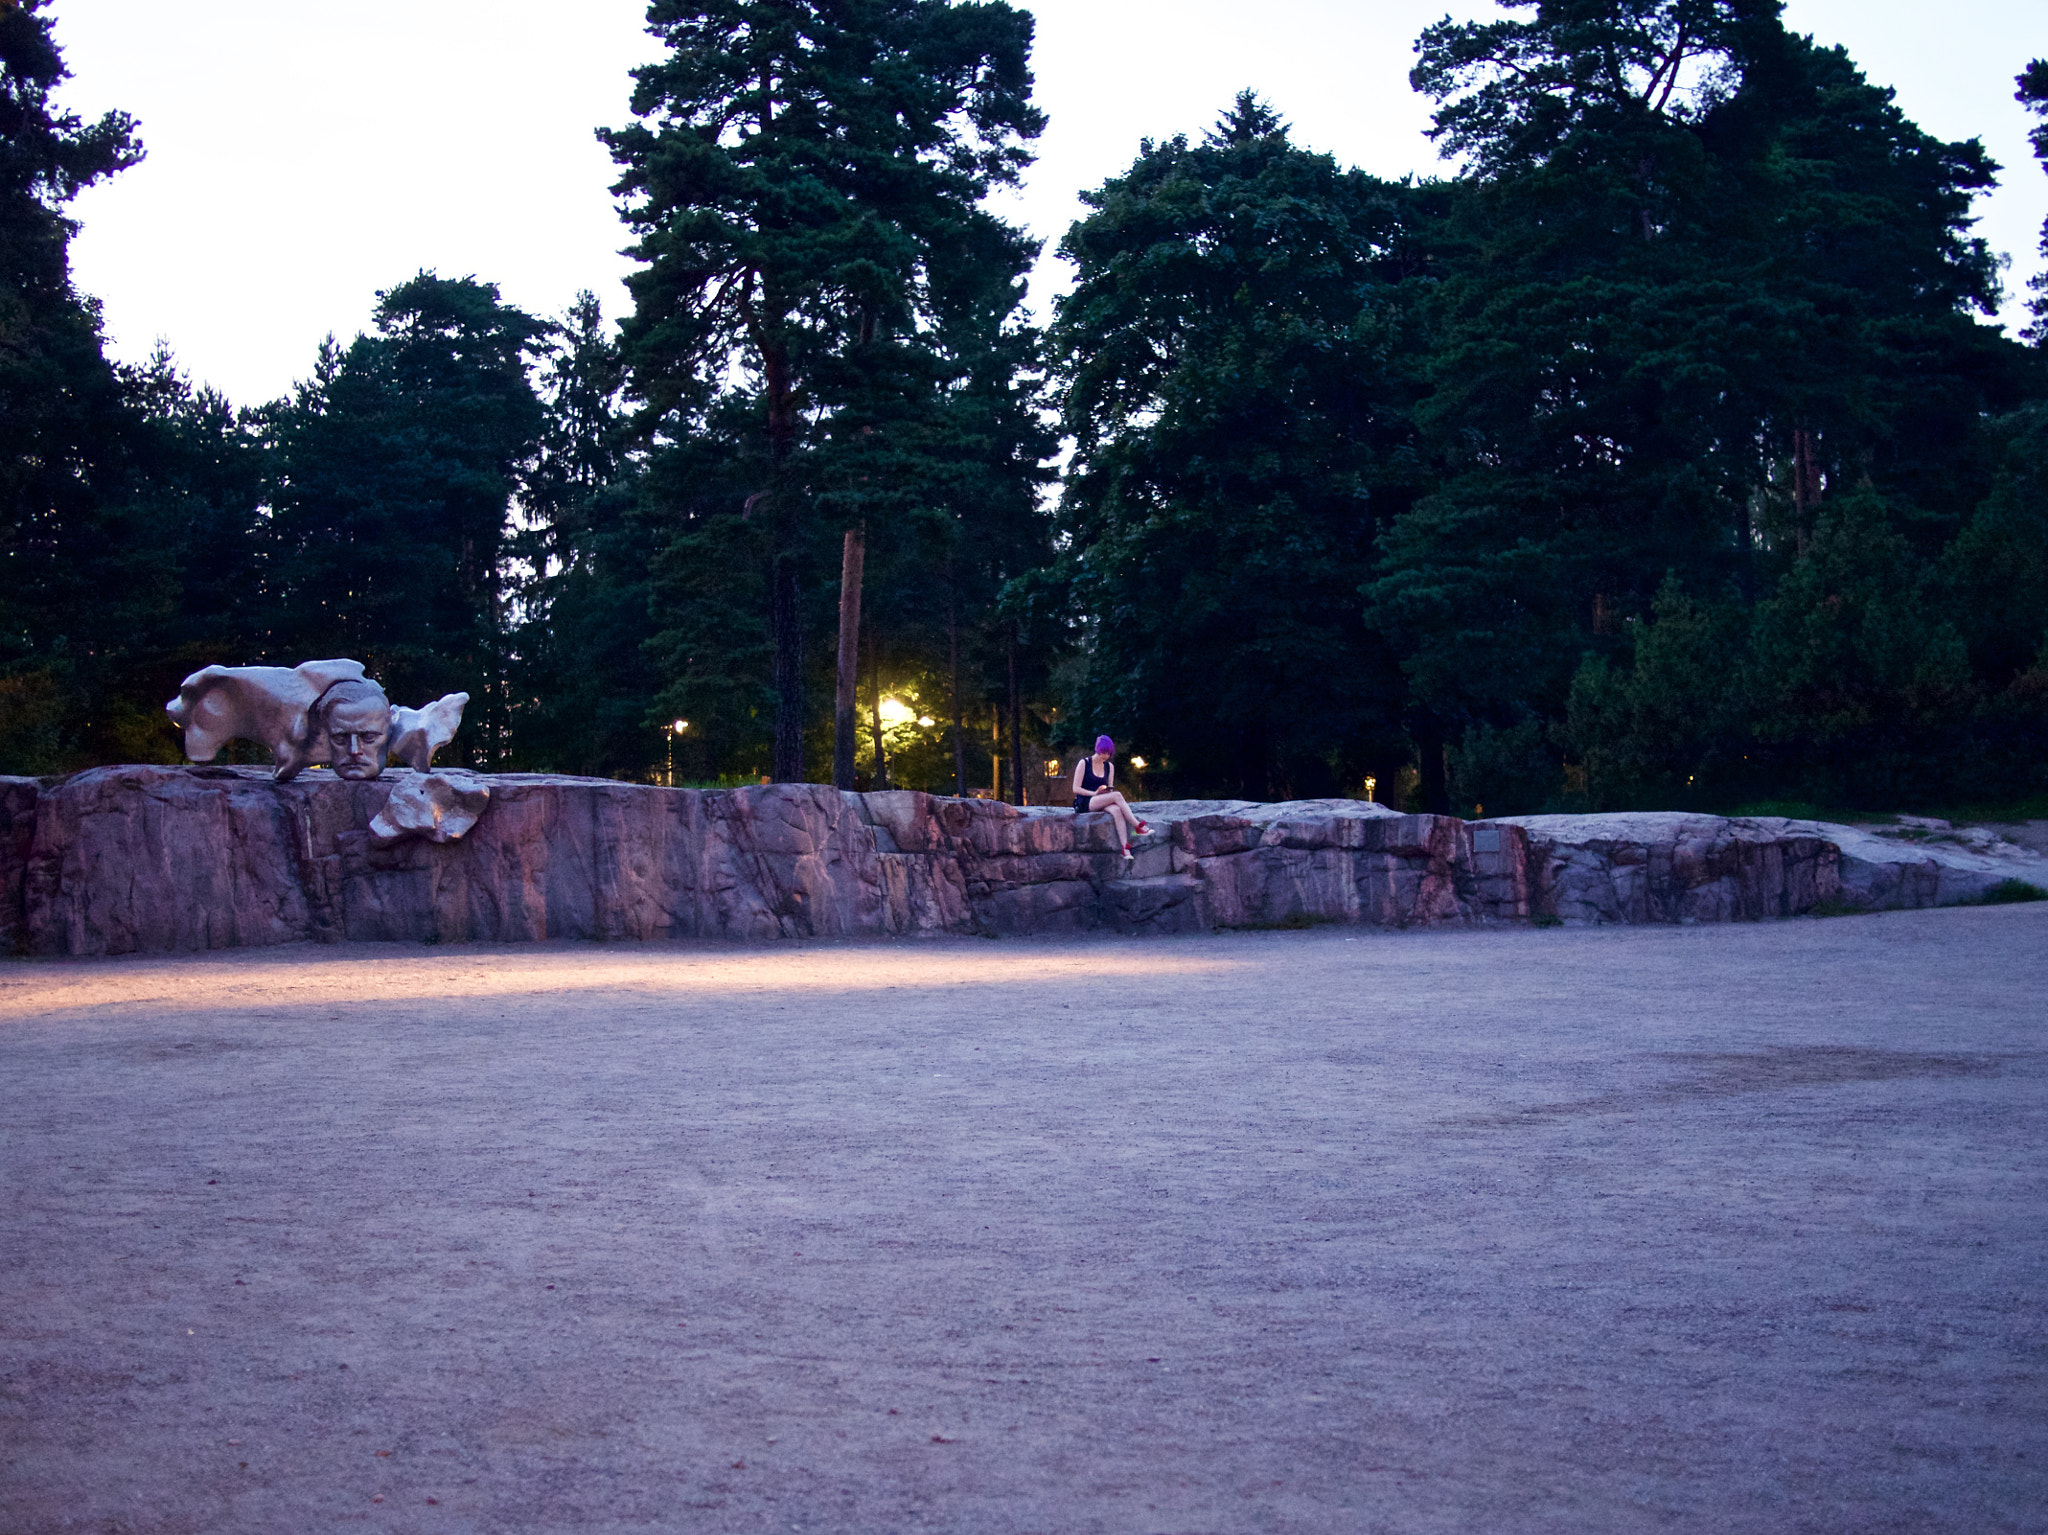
<point x="1231" y="365"/>
<point x="807" y="182"/>
<point x="1661" y="451"/>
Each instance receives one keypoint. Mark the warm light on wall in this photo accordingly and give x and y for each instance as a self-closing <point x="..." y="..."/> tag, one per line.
<point x="894" y="712"/>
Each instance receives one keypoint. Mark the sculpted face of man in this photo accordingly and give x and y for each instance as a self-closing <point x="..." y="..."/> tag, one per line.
<point x="356" y="717"/>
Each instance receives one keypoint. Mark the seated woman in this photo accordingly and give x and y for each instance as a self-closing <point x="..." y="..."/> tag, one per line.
<point x="1095" y="789"/>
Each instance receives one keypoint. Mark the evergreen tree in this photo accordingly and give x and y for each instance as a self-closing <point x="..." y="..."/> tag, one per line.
<point x="66" y="550"/>
<point x="581" y="587"/>
<point x="802" y="175"/>
<point x="394" y="469"/>
<point x="1231" y="360"/>
<point x="1703" y="277"/>
<point x="195" y="501"/>
<point x="2033" y="95"/>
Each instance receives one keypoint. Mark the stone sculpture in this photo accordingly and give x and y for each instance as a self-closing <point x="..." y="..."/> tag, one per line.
<point x="264" y="704"/>
<point x="316" y="712"/>
<point x="437" y="806"/>
<point x="416" y="734"/>
<point x="350" y="726"/>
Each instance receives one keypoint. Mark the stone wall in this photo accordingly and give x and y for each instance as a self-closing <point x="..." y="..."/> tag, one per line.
<point x="18" y="798"/>
<point x="128" y="859"/>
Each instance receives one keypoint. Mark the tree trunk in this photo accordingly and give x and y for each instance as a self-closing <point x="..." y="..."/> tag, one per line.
<point x="1434" y="788"/>
<point x="875" y="683"/>
<point x="953" y="656"/>
<point x="1745" y="543"/>
<point x="1805" y="484"/>
<point x="788" y="765"/>
<point x="785" y="623"/>
<point x="846" y="699"/>
<point x="1254" y="759"/>
<point x="1016" y="723"/>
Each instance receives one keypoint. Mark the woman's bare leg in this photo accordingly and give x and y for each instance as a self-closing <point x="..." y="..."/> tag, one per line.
<point x="1119" y="812"/>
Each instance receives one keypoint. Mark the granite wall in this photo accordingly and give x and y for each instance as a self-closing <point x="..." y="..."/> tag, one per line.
<point x="152" y="859"/>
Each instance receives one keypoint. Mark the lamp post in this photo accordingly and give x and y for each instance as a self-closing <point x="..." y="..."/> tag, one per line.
<point x="668" y="736"/>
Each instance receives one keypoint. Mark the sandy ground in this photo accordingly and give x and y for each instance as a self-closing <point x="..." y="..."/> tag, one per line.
<point x="1720" y="1229"/>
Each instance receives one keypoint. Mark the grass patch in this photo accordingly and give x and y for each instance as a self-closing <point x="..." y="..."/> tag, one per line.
<point x="1300" y="922"/>
<point x="2008" y="812"/>
<point x="2009" y="892"/>
<point x="1834" y="908"/>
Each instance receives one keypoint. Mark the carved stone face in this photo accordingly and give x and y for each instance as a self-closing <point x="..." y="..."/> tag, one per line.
<point x="355" y="718"/>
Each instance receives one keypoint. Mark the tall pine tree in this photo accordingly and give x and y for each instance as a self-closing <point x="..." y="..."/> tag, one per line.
<point x="68" y="553"/>
<point x="393" y="473"/>
<point x="1232" y="357"/>
<point x="799" y="179"/>
<point x="1702" y="279"/>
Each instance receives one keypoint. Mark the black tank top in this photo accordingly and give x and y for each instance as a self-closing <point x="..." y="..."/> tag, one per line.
<point x="1090" y="779"/>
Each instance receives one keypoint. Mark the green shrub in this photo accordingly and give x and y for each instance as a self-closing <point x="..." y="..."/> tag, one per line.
<point x="2010" y="892"/>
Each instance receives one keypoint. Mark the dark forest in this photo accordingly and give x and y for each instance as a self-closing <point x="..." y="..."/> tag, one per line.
<point x="1665" y="455"/>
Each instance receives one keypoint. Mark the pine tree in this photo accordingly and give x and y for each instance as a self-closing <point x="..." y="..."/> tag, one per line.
<point x="1702" y="278"/>
<point x="1230" y="359"/>
<point x="799" y="179"/>
<point x="580" y="587"/>
<point x="2033" y="95"/>
<point x="65" y="547"/>
<point x="394" y="469"/>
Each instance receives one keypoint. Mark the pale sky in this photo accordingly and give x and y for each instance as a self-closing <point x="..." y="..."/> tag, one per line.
<point x="303" y="156"/>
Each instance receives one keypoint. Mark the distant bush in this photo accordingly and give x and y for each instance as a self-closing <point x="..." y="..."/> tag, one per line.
<point x="2010" y="892"/>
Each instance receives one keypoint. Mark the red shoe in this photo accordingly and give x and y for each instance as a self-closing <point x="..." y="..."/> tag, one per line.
<point x="1128" y="854"/>
<point x="1143" y="828"/>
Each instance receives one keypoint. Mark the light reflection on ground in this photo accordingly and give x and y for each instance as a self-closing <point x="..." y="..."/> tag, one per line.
<point x="300" y="975"/>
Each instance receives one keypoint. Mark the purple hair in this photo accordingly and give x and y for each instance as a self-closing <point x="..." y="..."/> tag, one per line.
<point x="1104" y="744"/>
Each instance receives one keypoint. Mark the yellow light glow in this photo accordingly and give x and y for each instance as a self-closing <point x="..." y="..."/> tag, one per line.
<point x="926" y="720"/>
<point x="1137" y="762"/>
<point x="895" y="713"/>
<point x="273" y="985"/>
<point x="680" y="726"/>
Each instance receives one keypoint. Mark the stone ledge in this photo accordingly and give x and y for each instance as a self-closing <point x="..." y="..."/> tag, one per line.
<point x="126" y="859"/>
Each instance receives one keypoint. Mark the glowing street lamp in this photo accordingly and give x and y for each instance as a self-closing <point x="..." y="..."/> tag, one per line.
<point x="676" y="728"/>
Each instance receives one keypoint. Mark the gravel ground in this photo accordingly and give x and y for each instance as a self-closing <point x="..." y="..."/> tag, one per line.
<point x="1717" y="1229"/>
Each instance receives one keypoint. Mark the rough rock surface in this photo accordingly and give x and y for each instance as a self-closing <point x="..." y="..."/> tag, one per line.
<point x="127" y="859"/>
<point x="1672" y="866"/>
<point x="17" y="832"/>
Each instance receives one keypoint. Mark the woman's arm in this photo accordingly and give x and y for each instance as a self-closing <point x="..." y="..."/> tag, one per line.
<point x="1077" y="775"/>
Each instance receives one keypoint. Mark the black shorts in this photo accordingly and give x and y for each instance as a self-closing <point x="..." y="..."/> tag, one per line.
<point x="1081" y="800"/>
